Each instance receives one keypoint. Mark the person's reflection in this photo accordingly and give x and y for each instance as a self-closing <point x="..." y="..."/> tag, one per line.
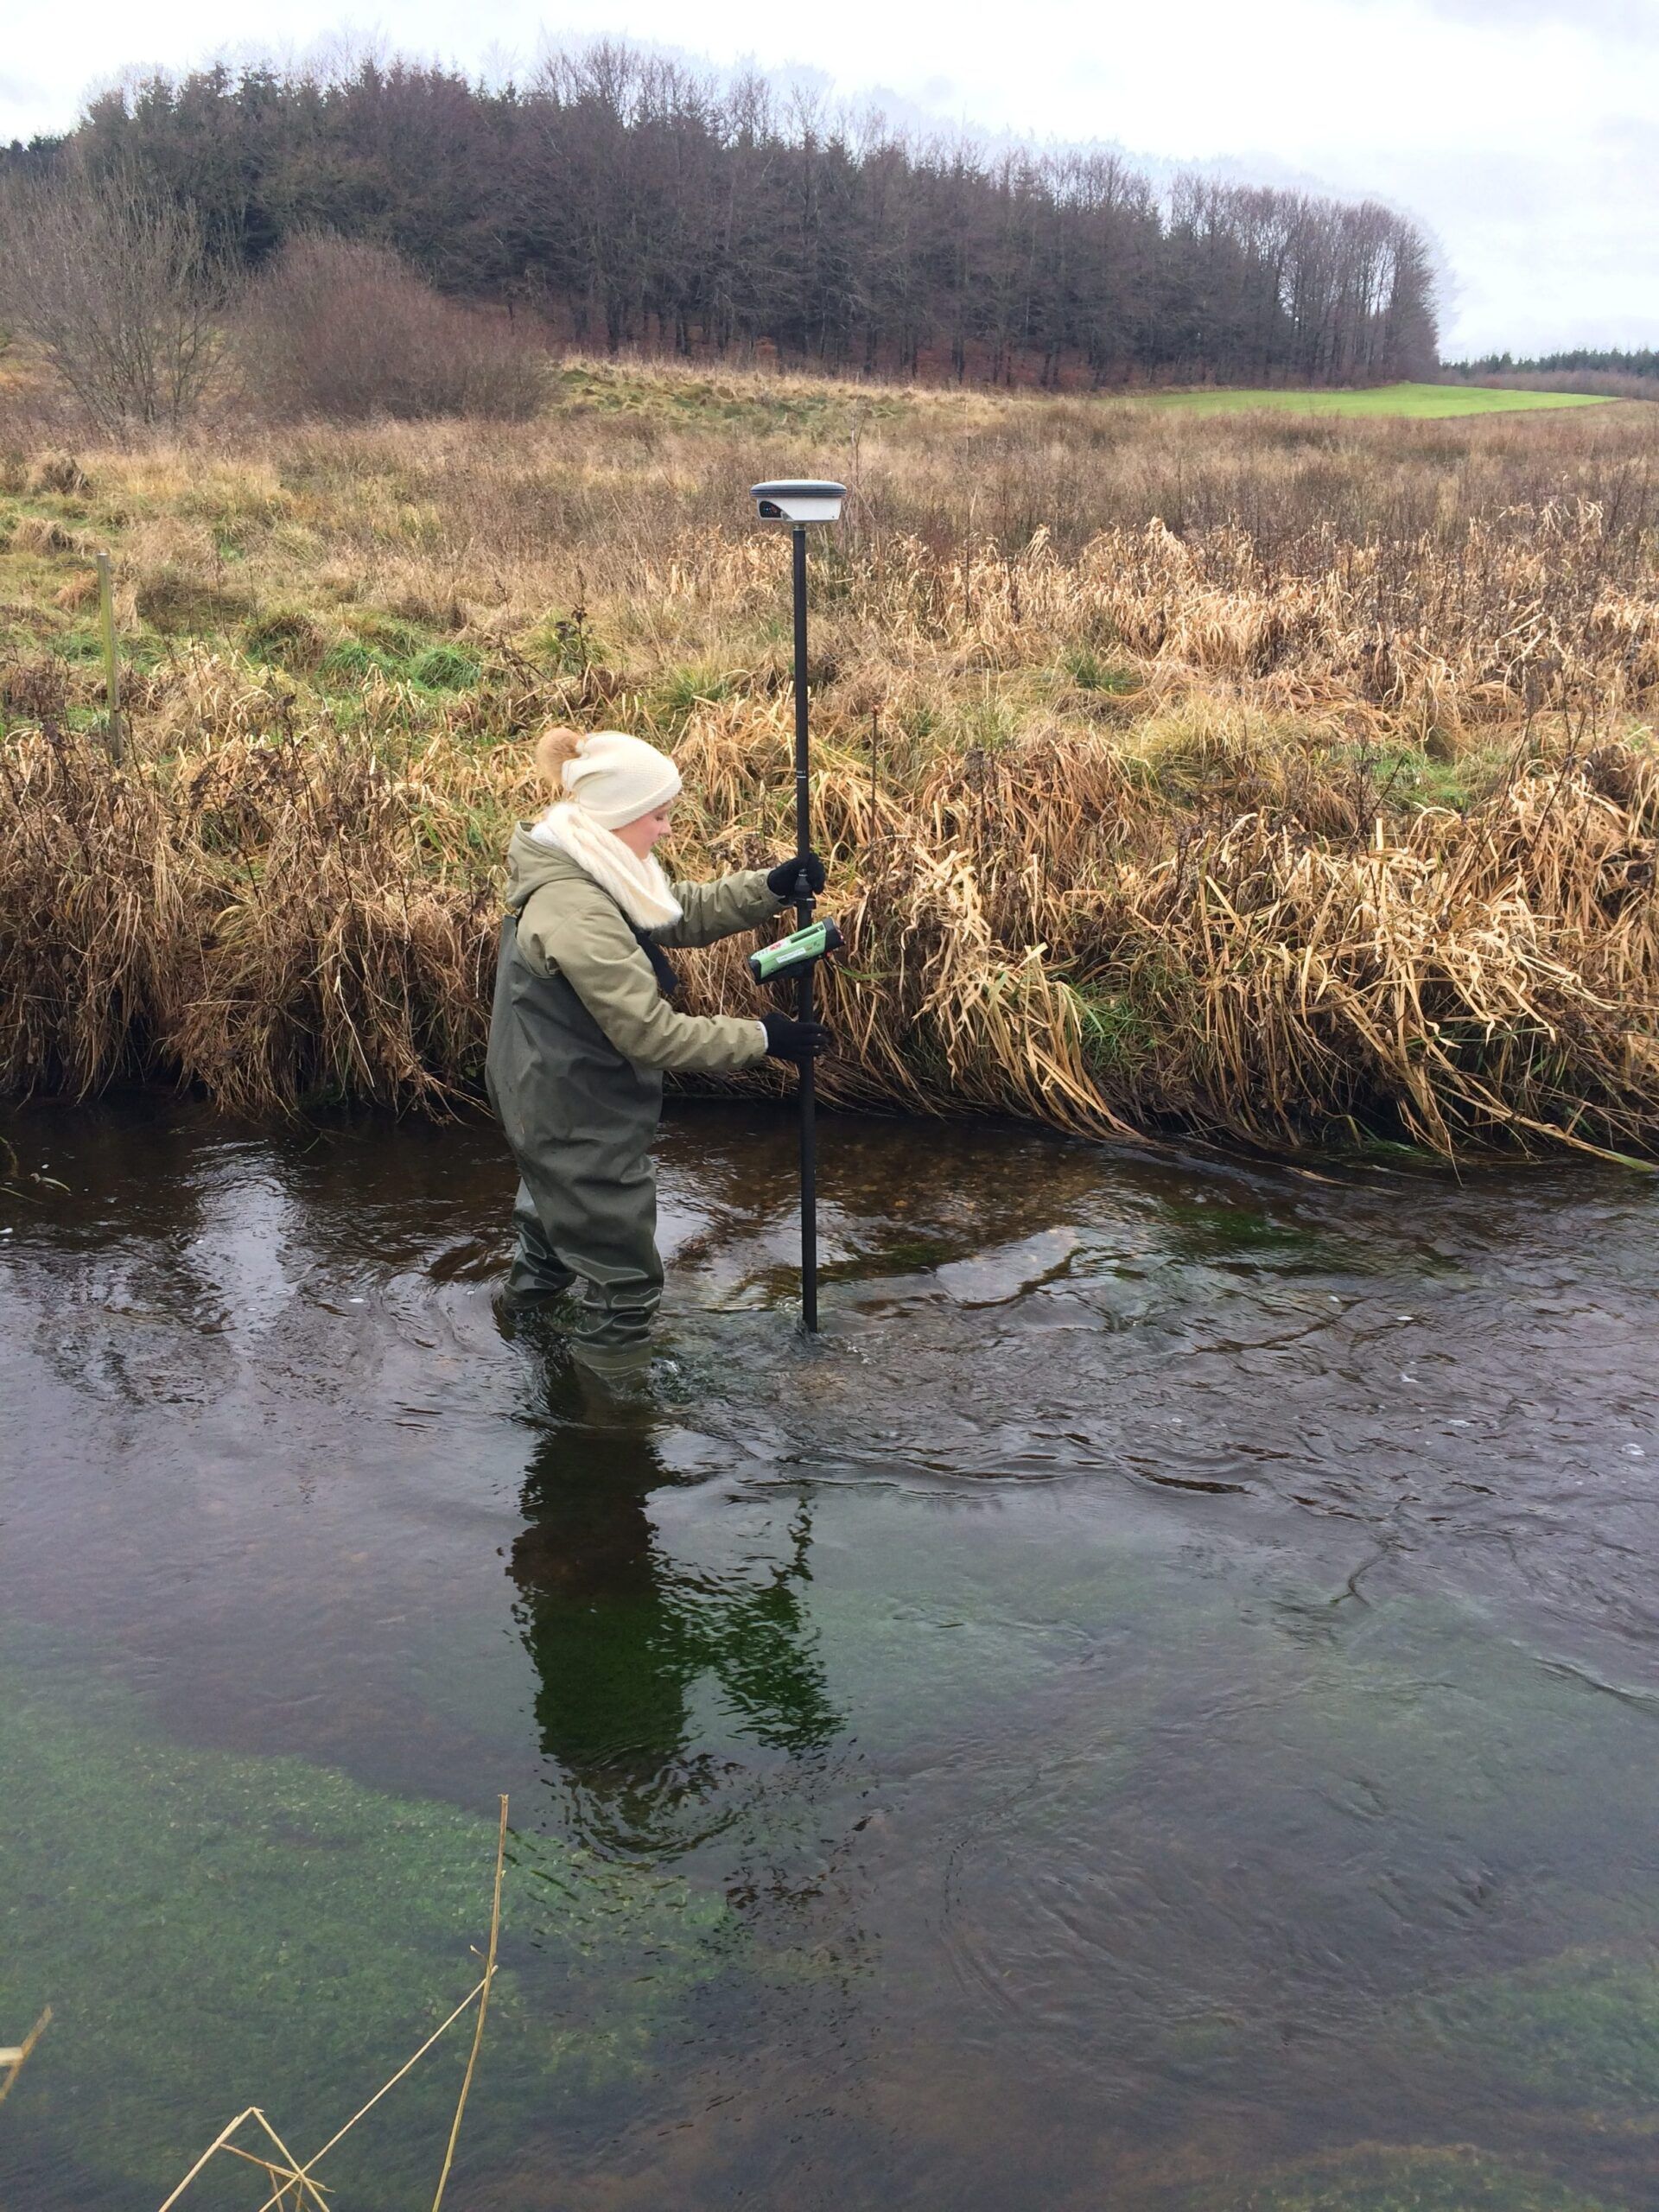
<point x="620" y="1636"/>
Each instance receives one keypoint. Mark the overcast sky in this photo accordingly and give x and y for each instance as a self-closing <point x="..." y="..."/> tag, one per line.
<point x="1523" y="133"/>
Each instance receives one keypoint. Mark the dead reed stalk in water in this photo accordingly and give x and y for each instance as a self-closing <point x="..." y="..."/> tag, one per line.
<point x="295" y="2186"/>
<point x="15" y="2056"/>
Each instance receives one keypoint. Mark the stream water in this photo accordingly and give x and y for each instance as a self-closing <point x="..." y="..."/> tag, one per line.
<point x="1157" y="1708"/>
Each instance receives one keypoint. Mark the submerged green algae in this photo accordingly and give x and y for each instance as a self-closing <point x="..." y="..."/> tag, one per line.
<point x="213" y="1931"/>
<point x="1374" y="2177"/>
<point x="1577" y="2035"/>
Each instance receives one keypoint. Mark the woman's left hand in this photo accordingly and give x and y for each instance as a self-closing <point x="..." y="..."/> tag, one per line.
<point x="782" y="880"/>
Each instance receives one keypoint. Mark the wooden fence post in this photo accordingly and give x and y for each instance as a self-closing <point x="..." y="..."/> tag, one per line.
<point x="111" y="659"/>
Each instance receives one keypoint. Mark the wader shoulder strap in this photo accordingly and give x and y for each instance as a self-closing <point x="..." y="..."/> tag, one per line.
<point x="667" y="982"/>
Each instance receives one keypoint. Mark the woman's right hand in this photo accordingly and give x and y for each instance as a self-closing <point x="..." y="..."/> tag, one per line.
<point x="789" y="1040"/>
<point x="783" y="879"/>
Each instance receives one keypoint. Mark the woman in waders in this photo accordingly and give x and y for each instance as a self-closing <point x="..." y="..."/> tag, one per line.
<point x="584" y="1025"/>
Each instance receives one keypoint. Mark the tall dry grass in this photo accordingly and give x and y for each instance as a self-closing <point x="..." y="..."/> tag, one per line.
<point x="1284" y="780"/>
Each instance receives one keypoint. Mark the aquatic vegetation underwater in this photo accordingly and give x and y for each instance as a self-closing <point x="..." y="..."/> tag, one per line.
<point x="215" y="1928"/>
<point x="266" y="1931"/>
<point x="1232" y="774"/>
<point x="1385" y="2180"/>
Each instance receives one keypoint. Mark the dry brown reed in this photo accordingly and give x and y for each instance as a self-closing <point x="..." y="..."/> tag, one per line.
<point x="15" y="2056"/>
<point x="277" y="921"/>
<point x="1304" y="796"/>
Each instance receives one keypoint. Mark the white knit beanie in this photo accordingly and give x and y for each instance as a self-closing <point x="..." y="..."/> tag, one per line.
<point x="616" y="779"/>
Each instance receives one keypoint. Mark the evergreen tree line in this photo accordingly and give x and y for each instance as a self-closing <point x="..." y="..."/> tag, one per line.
<point x="635" y="202"/>
<point x="1611" y="360"/>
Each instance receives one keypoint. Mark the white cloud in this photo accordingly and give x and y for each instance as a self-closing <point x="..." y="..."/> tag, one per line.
<point x="1614" y="19"/>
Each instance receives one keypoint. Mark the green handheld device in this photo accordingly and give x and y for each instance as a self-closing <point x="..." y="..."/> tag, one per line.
<point x="800" y="948"/>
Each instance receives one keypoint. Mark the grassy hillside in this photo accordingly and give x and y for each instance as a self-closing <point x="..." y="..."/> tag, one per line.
<point x="1415" y="401"/>
<point x="1277" y="776"/>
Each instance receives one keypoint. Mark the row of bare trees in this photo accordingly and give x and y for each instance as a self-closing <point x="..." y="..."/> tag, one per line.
<point x="635" y="202"/>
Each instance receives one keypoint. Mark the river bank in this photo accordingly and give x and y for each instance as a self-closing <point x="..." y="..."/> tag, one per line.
<point x="1285" y="780"/>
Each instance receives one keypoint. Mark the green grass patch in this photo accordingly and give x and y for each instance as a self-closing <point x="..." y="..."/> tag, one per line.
<point x="566" y="642"/>
<point x="1116" y="1033"/>
<point x="389" y="635"/>
<point x="349" y="660"/>
<point x="677" y="694"/>
<point x="1391" y="779"/>
<point x="1425" y="402"/>
<point x="402" y="653"/>
<point x="284" y="637"/>
<point x="446" y="668"/>
<point x="80" y="645"/>
<point x="1091" y="673"/>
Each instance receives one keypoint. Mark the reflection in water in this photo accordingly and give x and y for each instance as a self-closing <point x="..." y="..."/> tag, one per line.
<point x="620" y="1637"/>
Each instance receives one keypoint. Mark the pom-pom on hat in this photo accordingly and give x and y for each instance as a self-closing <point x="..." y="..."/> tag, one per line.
<point x="613" y="778"/>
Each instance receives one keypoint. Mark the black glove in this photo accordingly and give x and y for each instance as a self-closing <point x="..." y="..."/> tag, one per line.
<point x="782" y="880"/>
<point x="789" y="1040"/>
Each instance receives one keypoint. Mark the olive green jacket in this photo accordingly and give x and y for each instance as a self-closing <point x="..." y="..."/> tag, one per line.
<point x="567" y="925"/>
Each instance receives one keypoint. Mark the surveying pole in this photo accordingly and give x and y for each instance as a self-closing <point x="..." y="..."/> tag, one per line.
<point x="799" y="506"/>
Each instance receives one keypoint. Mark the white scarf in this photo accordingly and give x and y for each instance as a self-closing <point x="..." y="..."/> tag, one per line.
<point x="638" y="886"/>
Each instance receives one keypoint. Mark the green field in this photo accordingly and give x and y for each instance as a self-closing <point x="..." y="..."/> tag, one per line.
<point x="1419" y="400"/>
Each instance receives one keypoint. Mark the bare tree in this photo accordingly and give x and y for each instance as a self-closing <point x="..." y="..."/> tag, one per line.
<point x="112" y="279"/>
